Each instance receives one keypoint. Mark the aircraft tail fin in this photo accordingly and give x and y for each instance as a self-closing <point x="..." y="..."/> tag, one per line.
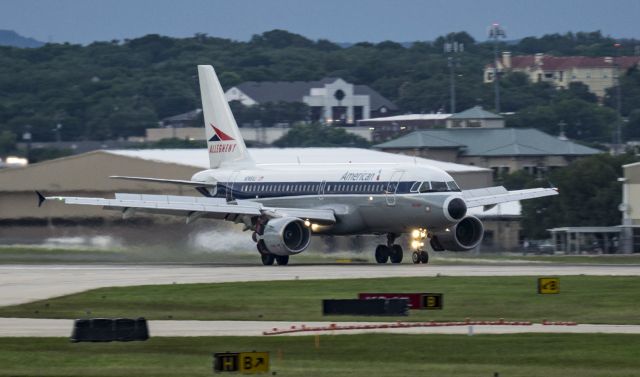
<point x="224" y="140"/>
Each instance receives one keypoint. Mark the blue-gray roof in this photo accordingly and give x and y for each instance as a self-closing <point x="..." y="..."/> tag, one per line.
<point x="490" y="142"/>
<point x="476" y="112"/>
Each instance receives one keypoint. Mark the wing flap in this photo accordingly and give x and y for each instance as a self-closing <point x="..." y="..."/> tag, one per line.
<point x="217" y="208"/>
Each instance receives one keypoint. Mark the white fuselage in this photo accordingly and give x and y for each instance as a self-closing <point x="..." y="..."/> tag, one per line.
<point x="366" y="198"/>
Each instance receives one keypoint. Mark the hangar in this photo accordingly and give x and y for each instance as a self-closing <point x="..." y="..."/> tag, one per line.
<point x="87" y="175"/>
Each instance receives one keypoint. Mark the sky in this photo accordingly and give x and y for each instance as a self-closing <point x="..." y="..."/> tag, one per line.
<point x="86" y="21"/>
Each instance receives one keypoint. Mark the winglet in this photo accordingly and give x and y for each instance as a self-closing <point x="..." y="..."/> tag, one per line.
<point x="41" y="198"/>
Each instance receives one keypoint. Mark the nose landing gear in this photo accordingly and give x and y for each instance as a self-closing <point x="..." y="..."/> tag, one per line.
<point x="419" y="255"/>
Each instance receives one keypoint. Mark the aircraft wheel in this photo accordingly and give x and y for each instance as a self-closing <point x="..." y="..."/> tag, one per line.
<point x="268" y="259"/>
<point x="396" y="254"/>
<point x="424" y="257"/>
<point x="262" y="248"/>
<point x="382" y="254"/>
<point x="415" y="257"/>
<point x="282" y="260"/>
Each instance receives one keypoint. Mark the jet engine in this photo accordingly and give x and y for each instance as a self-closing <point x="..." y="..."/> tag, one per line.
<point x="286" y="236"/>
<point x="463" y="236"/>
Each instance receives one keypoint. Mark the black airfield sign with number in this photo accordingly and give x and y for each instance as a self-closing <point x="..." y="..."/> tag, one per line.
<point x="243" y="362"/>
<point x="432" y="301"/>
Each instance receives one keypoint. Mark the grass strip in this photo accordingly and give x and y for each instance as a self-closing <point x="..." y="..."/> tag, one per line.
<point x="583" y="299"/>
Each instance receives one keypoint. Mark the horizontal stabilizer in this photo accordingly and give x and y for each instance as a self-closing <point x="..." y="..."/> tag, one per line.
<point x="167" y="181"/>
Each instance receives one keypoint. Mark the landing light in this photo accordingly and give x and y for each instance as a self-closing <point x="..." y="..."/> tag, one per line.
<point x="415" y="233"/>
<point x="307" y="223"/>
<point x="415" y="244"/>
<point x="314" y="227"/>
<point x="371" y="198"/>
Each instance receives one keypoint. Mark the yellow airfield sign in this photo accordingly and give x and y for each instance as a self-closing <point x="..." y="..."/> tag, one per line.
<point x="548" y="285"/>
<point x="243" y="362"/>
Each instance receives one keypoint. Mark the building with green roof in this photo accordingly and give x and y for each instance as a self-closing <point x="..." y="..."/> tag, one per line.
<point x="475" y="117"/>
<point x="504" y="150"/>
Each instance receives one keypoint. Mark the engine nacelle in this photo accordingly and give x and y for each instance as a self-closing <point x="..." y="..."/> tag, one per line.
<point x="286" y="236"/>
<point x="463" y="236"/>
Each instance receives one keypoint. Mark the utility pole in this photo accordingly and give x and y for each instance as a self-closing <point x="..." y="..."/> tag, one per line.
<point x="57" y="130"/>
<point x="26" y="136"/>
<point x="495" y="33"/>
<point x="452" y="48"/>
<point x="617" y="142"/>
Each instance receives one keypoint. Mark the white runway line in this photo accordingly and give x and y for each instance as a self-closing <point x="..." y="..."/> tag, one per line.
<point x="25" y="283"/>
<point x="28" y="327"/>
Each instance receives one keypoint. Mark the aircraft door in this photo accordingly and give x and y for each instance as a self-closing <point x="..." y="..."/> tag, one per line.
<point x="392" y="187"/>
<point x="230" y="185"/>
<point x="321" y="190"/>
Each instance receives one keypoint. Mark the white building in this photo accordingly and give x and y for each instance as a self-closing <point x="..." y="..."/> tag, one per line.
<point x="332" y="100"/>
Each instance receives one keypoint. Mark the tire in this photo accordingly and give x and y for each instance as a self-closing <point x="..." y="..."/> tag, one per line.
<point x="415" y="257"/>
<point x="268" y="259"/>
<point x="382" y="254"/>
<point x="282" y="260"/>
<point x="396" y="254"/>
<point x="424" y="257"/>
<point x="262" y="248"/>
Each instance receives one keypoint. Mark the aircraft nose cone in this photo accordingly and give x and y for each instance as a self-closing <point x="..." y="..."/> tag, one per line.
<point x="457" y="208"/>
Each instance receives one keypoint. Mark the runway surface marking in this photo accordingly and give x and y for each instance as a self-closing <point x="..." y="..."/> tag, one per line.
<point x="28" y="327"/>
<point x="25" y="283"/>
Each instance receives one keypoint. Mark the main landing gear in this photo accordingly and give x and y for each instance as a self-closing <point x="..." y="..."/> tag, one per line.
<point x="390" y="251"/>
<point x="419" y="255"/>
<point x="267" y="258"/>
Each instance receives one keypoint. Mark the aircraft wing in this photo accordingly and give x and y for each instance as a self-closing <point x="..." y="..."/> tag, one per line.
<point x="193" y="207"/>
<point x="490" y="196"/>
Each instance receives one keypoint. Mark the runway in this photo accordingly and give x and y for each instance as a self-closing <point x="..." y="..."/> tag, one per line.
<point x="25" y="283"/>
<point x="28" y="327"/>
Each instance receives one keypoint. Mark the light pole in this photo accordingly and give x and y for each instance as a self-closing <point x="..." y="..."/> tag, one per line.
<point x="57" y="131"/>
<point x="617" y="141"/>
<point x="26" y="136"/>
<point x="451" y="49"/>
<point x="495" y="33"/>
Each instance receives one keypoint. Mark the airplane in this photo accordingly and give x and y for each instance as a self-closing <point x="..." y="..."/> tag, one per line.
<point x="284" y="205"/>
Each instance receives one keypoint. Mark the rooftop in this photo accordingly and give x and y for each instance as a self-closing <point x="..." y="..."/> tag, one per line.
<point x="490" y="142"/>
<point x="552" y="63"/>
<point x="476" y="112"/>
<point x="406" y="117"/>
<point x="294" y="91"/>
<point x="305" y="156"/>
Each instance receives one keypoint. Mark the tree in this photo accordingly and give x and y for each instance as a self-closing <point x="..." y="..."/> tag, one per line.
<point x="581" y="120"/>
<point x="7" y="142"/>
<point x="630" y="92"/>
<point x="318" y="135"/>
<point x="589" y="196"/>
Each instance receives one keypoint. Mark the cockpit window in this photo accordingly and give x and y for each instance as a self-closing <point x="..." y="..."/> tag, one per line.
<point x="437" y="186"/>
<point x="425" y="187"/>
<point x="414" y="187"/>
<point x="453" y="186"/>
